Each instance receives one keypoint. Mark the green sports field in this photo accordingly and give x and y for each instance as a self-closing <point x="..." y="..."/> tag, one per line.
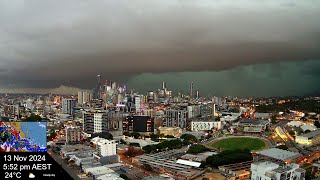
<point x="239" y="143"/>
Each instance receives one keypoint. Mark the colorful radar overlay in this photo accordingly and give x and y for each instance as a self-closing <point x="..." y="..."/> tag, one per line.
<point x="23" y="137"/>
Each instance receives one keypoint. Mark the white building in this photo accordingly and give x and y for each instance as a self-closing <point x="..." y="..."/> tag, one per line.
<point x="105" y="147"/>
<point x="205" y="125"/>
<point x="175" y="118"/>
<point x="95" y="122"/>
<point x="272" y="171"/>
<point x="138" y="102"/>
<point x="98" y="119"/>
<point x="68" y="105"/>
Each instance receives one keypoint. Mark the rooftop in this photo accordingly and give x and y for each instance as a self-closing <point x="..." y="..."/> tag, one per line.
<point x="311" y="134"/>
<point x="279" y="154"/>
<point x="253" y="121"/>
<point x="110" y="176"/>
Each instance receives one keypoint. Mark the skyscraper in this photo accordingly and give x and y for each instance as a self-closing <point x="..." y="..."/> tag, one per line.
<point x="98" y="80"/>
<point x="164" y="85"/>
<point x="197" y="94"/>
<point x="96" y="93"/>
<point x="68" y="106"/>
<point x="191" y="90"/>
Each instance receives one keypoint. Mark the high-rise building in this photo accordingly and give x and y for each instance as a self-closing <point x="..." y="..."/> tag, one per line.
<point x="68" y="105"/>
<point x="175" y="118"/>
<point x="83" y="97"/>
<point x="164" y="85"/>
<point x="191" y="90"/>
<point x="138" y="101"/>
<point x="193" y="111"/>
<point x="97" y="89"/>
<point x="197" y="94"/>
<point x="95" y="122"/>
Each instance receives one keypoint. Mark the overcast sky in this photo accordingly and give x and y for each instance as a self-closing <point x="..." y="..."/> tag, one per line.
<point x="231" y="47"/>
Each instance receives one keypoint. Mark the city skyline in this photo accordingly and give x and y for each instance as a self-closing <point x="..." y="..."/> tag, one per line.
<point x="246" y="51"/>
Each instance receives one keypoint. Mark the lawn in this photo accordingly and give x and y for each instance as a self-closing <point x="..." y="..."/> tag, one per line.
<point x="239" y="143"/>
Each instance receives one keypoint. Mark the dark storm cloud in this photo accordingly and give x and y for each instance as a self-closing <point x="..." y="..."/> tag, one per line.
<point x="276" y="79"/>
<point x="47" y="43"/>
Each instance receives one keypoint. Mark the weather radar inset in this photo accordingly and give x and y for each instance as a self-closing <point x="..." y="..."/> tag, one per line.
<point x="23" y="137"/>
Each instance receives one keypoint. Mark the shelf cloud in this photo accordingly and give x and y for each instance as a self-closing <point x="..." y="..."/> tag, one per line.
<point x="49" y="43"/>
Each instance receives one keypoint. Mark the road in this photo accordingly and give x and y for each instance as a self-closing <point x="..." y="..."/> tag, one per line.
<point x="72" y="172"/>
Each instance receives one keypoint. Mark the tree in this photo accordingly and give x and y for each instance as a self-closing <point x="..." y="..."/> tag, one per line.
<point x="197" y="148"/>
<point x="105" y="135"/>
<point x="125" y="177"/>
<point x="134" y="144"/>
<point x="292" y="133"/>
<point x="147" y="167"/>
<point x="283" y="147"/>
<point x="172" y="144"/>
<point x="189" y="139"/>
<point x="229" y="157"/>
<point x="317" y="124"/>
<point x="149" y="149"/>
<point x="132" y="152"/>
<point x="307" y="131"/>
<point x="52" y="135"/>
<point x="34" y="118"/>
<point x="154" y="137"/>
<point x="273" y="119"/>
<point x="122" y="141"/>
<point x="136" y="135"/>
<point x="169" y="136"/>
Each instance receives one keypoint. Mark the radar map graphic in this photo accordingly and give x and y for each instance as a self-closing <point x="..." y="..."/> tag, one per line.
<point x="23" y="137"/>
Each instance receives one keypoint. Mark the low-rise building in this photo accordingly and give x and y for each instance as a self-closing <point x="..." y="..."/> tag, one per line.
<point x="238" y="170"/>
<point x="272" y="171"/>
<point x="106" y="147"/>
<point x="309" y="139"/>
<point x="253" y="125"/>
<point x="73" y="135"/>
<point x="276" y="155"/>
<point x="171" y="131"/>
<point x="205" y="124"/>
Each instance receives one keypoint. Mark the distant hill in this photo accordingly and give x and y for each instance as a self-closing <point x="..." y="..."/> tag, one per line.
<point x="64" y="90"/>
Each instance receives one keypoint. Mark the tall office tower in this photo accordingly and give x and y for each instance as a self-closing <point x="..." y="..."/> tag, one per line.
<point x="191" y="90"/>
<point x="68" y="106"/>
<point x="96" y="93"/>
<point x="98" y="80"/>
<point x="164" y="85"/>
<point x="197" y="94"/>
<point x="138" y="101"/>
